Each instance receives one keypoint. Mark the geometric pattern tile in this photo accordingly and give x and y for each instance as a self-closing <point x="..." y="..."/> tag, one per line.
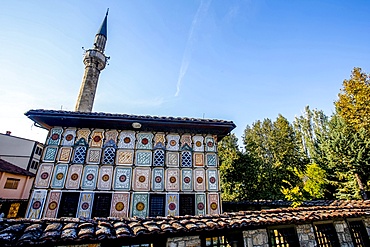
<point x="55" y="136"/>
<point x="109" y="155"/>
<point x="79" y="155"/>
<point x="125" y="157"/>
<point x="158" y="157"/>
<point x="198" y="159"/>
<point x="172" y="159"/>
<point x="93" y="156"/>
<point x="186" y="159"/>
<point x="65" y="154"/>
<point x="211" y="159"/>
<point x="50" y="154"/>
<point x="143" y="158"/>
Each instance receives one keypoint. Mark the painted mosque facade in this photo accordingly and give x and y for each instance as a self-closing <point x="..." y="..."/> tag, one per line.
<point x="110" y="165"/>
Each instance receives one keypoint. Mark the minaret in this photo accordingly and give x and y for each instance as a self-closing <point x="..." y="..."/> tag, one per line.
<point x="95" y="61"/>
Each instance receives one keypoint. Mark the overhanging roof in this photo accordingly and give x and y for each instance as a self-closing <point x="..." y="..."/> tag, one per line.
<point x="50" y="118"/>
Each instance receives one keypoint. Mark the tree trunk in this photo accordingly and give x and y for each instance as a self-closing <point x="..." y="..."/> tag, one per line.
<point x="361" y="186"/>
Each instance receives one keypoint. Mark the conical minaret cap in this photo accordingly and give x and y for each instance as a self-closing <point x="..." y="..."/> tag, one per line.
<point x="103" y="27"/>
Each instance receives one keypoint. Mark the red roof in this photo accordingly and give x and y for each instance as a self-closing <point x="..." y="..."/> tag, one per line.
<point x="8" y="167"/>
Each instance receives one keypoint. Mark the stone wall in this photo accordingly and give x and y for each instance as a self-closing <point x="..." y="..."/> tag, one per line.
<point x="306" y="235"/>
<point x="188" y="241"/>
<point x="367" y="225"/>
<point x="344" y="234"/>
<point x="256" y="238"/>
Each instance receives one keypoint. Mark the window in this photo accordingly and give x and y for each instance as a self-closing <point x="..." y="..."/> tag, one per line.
<point x="216" y="241"/>
<point x="34" y="164"/>
<point x="156" y="205"/>
<point x="101" y="205"/>
<point x="11" y="183"/>
<point x="187" y="204"/>
<point x="68" y="204"/>
<point x="38" y="151"/>
<point x="109" y="155"/>
<point x="279" y="237"/>
<point x="358" y="233"/>
<point x="232" y="239"/>
<point x="80" y="154"/>
<point x="326" y="235"/>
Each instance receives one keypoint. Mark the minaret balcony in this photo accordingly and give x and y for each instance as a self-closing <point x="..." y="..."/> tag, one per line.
<point x="95" y="57"/>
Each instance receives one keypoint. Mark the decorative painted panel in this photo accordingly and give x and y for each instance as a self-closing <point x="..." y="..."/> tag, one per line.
<point x="97" y="138"/>
<point x="50" y="153"/>
<point x="109" y="155"/>
<point x="89" y="177"/>
<point x="144" y="141"/>
<point x="139" y="205"/>
<point x="69" y="137"/>
<point x="93" y="156"/>
<point x="159" y="140"/>
<point x="85" y="205"/>
<point x="199" y="180"/>
<point x="65" y="154"/>
<point x="74" y="177"/>
<point x="211" y="143"/>
<point x="52" y="204"/>
<point x="172" y="202"/>
<point x="105" y="177"/>
<point x="122" y="178"/>
<point x="158" y="159"/>
<point x="36" y="204"/>
<point x="185" y="140"/>
<point x="198" y="143"/>
<point x="212" y="176"/>
<point x="127" y="140"/>
<point x="213" y="203"/>
<point x="143" y="158"/>
<point x="158" y="179"/>
<point x="59" y="176"/>
<point x="125" y="157"/>
<point x="141" y="180"/>
<point x="83" y="133"/>
<point x="80" y="154"/>
<point x="172" y="159"/>
<point x="120" y="204"/>
<point x="172" y="179"/>
<point x="211" y="159"/>
<point x="55" y="135"/>
<point x="186" y="179"/>
<point x="43" y="175"/>
<point x="198" y="159"/>
<point x="186" y="159"/>
<point x="173" y="142"/>
<point x="111" y="135"/>
<point x="200" y="204"/>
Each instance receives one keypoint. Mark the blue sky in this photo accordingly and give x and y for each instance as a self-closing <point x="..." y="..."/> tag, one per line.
<point x="239" y="60"/>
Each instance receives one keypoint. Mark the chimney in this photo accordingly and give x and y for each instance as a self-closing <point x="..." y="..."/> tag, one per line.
<point x="8" y="133"/>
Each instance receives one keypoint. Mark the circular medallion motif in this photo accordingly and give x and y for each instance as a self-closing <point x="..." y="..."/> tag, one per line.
<point x="127" y="140"/>
<point x="172" y="142"/>
<point x="200" y="206"/>
<point x="69" y="137"/>
<point x="212" y="180"/>
<point x="44" y="175"/>
<point x="213" y="206"/>
<point x="122" y="178"/>
<point x="199" y="180"/>
<point x="172" y="180"/>
<point x="53" y="205"/>
<point x="60" y="176"/>
<point x="90" y="177"/>
<point x="105" y="177"/>
<point x="210" y="144"/>
<point x="74" y="176"/>
<point x="158" y="179"/>
<point x="172" y="206"/>
<point x="140" y="206"/>
<point x="186" y="179"/>
<point x="55" y="137"/>
<point x="97" y="138"/>
<point x="36" y="205"/>
<point x="85" y="206"/>
<point x="120" y="206"/>
<point x="145" y="141"/>
<point x="198" y="144"/>
<point x="142" y="179"/>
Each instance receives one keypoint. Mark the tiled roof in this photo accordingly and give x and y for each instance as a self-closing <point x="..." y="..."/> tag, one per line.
<point x="117" y="230"/>
<point x="8" y="167"/>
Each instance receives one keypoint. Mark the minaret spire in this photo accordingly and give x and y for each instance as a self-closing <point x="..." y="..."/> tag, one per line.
<point x="95" y="61"/>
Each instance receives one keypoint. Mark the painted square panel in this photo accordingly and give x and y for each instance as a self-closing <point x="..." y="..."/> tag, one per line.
<point x="74" y="177"/>
<point x="89" y="177"/>
<point x="143" y="158"/>
<point x="125" y="157"/>
<point x="52" y="205"/>
<point x="144" y="141"/>
<point x="172" y="179"/>
<point x="50" y="153"/>
<point x="198" y="159"/>
<point x="44" y="175"/>
<point x="83" y="133"/>
<point x="173" y="142"/>
<point x="105" y="177"/>
<point x="59" y="176"/>
<point x="139" y="205"/>
<point x="55" y="135"/>
<point x="141" y="179"/>
<point x="211" y="144"/>
<point x="36" y="204"/>
<point x="213" y="203"/>
<point x="185" y="140"/>
<point x="158" y="179"/>
<point x="111" y="136"/>
<point x="186" y="179"/>
<point x="159" y="140"/>
<point x="93" y="156"/>
<point x="85" y="205"/>
<point x="172" y="203"/>
<point x="127" y="140"/>
<point x="69" y="137"/>
<point x="120" y="204"/>
<point x="172" y="159"/>
<point x="64" y="155"/>
<point x="199" y="180"/>
<point x="198" y="143"/>
<point x="211" y="159"/>
<point x="97" y="138"/>
<point x="212" y="180"/>
<point x="122" y="178"/>
<point x="200" y="204"/>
